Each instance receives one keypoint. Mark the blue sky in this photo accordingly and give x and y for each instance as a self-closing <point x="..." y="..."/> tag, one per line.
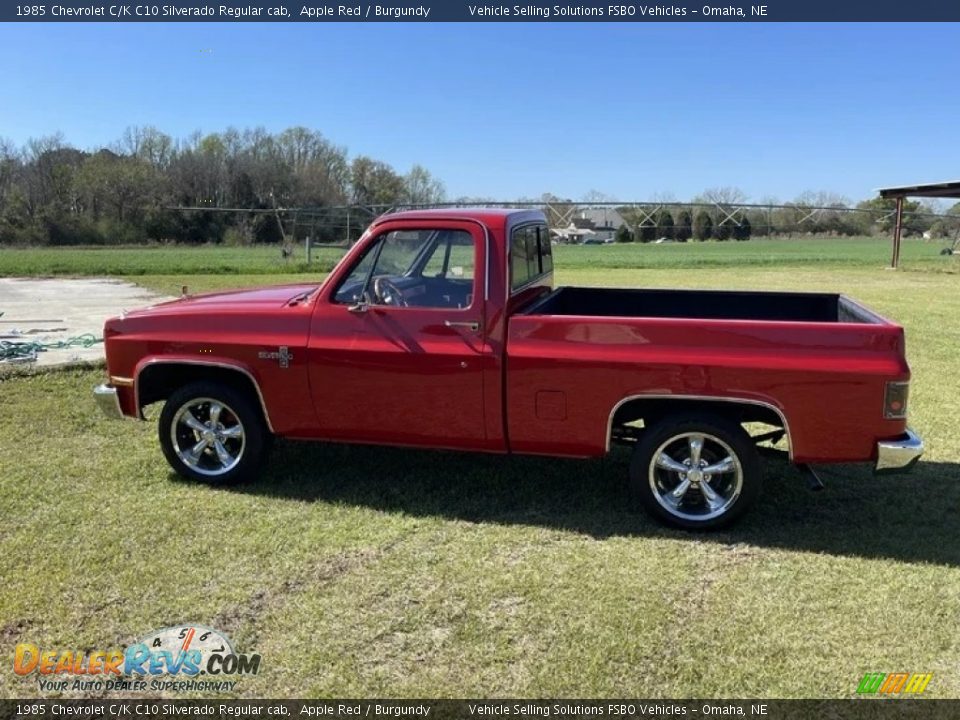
<point x="632" y="110"/>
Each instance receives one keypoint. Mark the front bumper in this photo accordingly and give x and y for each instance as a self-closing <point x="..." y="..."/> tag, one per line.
<point x="899" y="455"/>
<point x="108" y="401"/>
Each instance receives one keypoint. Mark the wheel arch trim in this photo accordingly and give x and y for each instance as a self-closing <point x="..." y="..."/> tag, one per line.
<point x="702" y="398"/>
<point x="223" y="365"/>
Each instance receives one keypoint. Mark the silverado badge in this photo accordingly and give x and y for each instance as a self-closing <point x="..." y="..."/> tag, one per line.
<point x="283" y="355"/>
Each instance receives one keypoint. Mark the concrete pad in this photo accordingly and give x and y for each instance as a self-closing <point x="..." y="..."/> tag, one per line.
<point x="58" y="309"/>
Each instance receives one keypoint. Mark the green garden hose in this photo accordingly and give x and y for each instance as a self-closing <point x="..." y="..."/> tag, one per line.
<point x="20" y="351"/>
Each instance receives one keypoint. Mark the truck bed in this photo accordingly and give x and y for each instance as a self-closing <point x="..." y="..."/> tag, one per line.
<point x="703" y="304"/>
<point x="576" y="353"/>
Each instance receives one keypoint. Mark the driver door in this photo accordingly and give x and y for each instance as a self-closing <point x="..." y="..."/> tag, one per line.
<point x="397" y="346"/>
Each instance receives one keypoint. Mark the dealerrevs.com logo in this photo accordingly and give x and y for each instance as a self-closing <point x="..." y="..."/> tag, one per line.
<point x="172" y="658"/>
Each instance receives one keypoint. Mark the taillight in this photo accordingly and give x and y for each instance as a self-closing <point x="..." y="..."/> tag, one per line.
<point x="895" y="400"/>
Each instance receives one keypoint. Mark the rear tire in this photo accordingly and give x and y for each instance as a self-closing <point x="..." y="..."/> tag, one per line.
<point x="696" y="472"/>
<point x="212" y="433"/>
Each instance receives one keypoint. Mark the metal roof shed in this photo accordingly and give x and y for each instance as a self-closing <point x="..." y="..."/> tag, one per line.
<point x="933" y="190"/>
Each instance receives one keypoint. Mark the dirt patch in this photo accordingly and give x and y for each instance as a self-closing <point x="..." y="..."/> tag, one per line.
<point x="243" y="618"/>
<point x="58" y="309"/>
<point x="14" y="631"/>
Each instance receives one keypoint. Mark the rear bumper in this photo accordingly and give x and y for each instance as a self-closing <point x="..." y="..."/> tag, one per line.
<point x="899" y="455"/>
<point x="108" y="401"/>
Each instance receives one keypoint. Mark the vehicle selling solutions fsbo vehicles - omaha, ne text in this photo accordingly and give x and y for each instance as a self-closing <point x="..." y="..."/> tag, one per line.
<point x="442" y="329"/>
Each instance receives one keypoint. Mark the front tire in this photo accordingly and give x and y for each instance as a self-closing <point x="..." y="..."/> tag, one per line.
<point x="212" y="433"/>
<point x="696" y="472"/>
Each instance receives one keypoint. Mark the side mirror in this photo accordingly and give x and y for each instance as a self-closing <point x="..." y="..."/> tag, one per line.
<point x="359" y="308"/>
<point x="362" y="302"/>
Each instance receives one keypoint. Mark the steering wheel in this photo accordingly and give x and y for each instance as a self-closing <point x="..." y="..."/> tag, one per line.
<point x="390" y="294"/>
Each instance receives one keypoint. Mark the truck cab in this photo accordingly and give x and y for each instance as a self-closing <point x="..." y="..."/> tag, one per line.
<point x="415" y="316"/>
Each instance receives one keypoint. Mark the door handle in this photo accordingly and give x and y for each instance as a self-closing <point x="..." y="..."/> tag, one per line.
<point x="471" y="325"/>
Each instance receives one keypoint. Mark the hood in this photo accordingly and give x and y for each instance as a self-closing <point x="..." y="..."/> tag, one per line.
<point x="276" y="296"/>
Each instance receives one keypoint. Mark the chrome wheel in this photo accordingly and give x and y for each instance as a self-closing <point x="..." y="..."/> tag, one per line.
<point x="207" y="436"/>
<point x="695" y="476"/>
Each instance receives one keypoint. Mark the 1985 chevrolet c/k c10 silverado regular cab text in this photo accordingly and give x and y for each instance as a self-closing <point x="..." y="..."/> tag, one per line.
<point x="442" y="329"/>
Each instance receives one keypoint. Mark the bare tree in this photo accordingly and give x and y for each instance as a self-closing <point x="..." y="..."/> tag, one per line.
<point x="560" y="212"/>
<point x="422" y="188"/>
<point x="592" y="197"/>
<point x="39" y="172"/>
<point x="321" y="168"/>
<point x="474" y="200"/>
<point x="822" y="198"/>
<point x="375" y="183"/>
<point x="726" y="195"/>
<point x="146" y="143"/>
<point x="9" y="166"/>
<point x="120" y="182"/>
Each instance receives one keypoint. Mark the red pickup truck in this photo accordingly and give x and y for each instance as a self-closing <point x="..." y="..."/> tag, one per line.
<point x="441" y="329"/>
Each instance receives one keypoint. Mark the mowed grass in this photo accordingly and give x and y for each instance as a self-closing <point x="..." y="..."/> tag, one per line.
<point x="758" y="252"/>
<point x="220" y="260"/>
<point x="368" y="572"/>
<point x="162" y="259"/>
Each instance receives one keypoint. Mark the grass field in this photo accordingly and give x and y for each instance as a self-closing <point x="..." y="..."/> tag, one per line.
<point x="164" y="259"/>
<point x="173" y="260"/>
<point x="383" y="572"/>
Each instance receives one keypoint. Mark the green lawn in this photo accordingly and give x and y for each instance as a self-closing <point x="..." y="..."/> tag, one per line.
<point x="839" y="252"/>
<point x="162" y="259"/>
<point x="385" y="572"/>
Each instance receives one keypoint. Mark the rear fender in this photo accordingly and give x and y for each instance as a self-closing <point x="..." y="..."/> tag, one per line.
<point x="636" y="406"/>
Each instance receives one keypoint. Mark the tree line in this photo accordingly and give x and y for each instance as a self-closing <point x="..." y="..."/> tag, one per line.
<point x="134" y="190"/>
<point x="53" y="193"/>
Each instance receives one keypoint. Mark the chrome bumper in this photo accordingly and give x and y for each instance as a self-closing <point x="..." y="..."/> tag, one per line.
<point x="898" y="455"/>
<point x="109" y="402"/>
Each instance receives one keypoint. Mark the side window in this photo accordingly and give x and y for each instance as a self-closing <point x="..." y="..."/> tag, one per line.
<point x="438" y="263"/>
<point x="530" y="254"/>
<point x="351" y="288"/>
<point x="399" y="251"/>
<point x="413" y="268"/>
<point x="519" y="269"/>
<point x="546" y="249"/>
<point x="533" y="255"/>
<point x="452" y="256"/>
